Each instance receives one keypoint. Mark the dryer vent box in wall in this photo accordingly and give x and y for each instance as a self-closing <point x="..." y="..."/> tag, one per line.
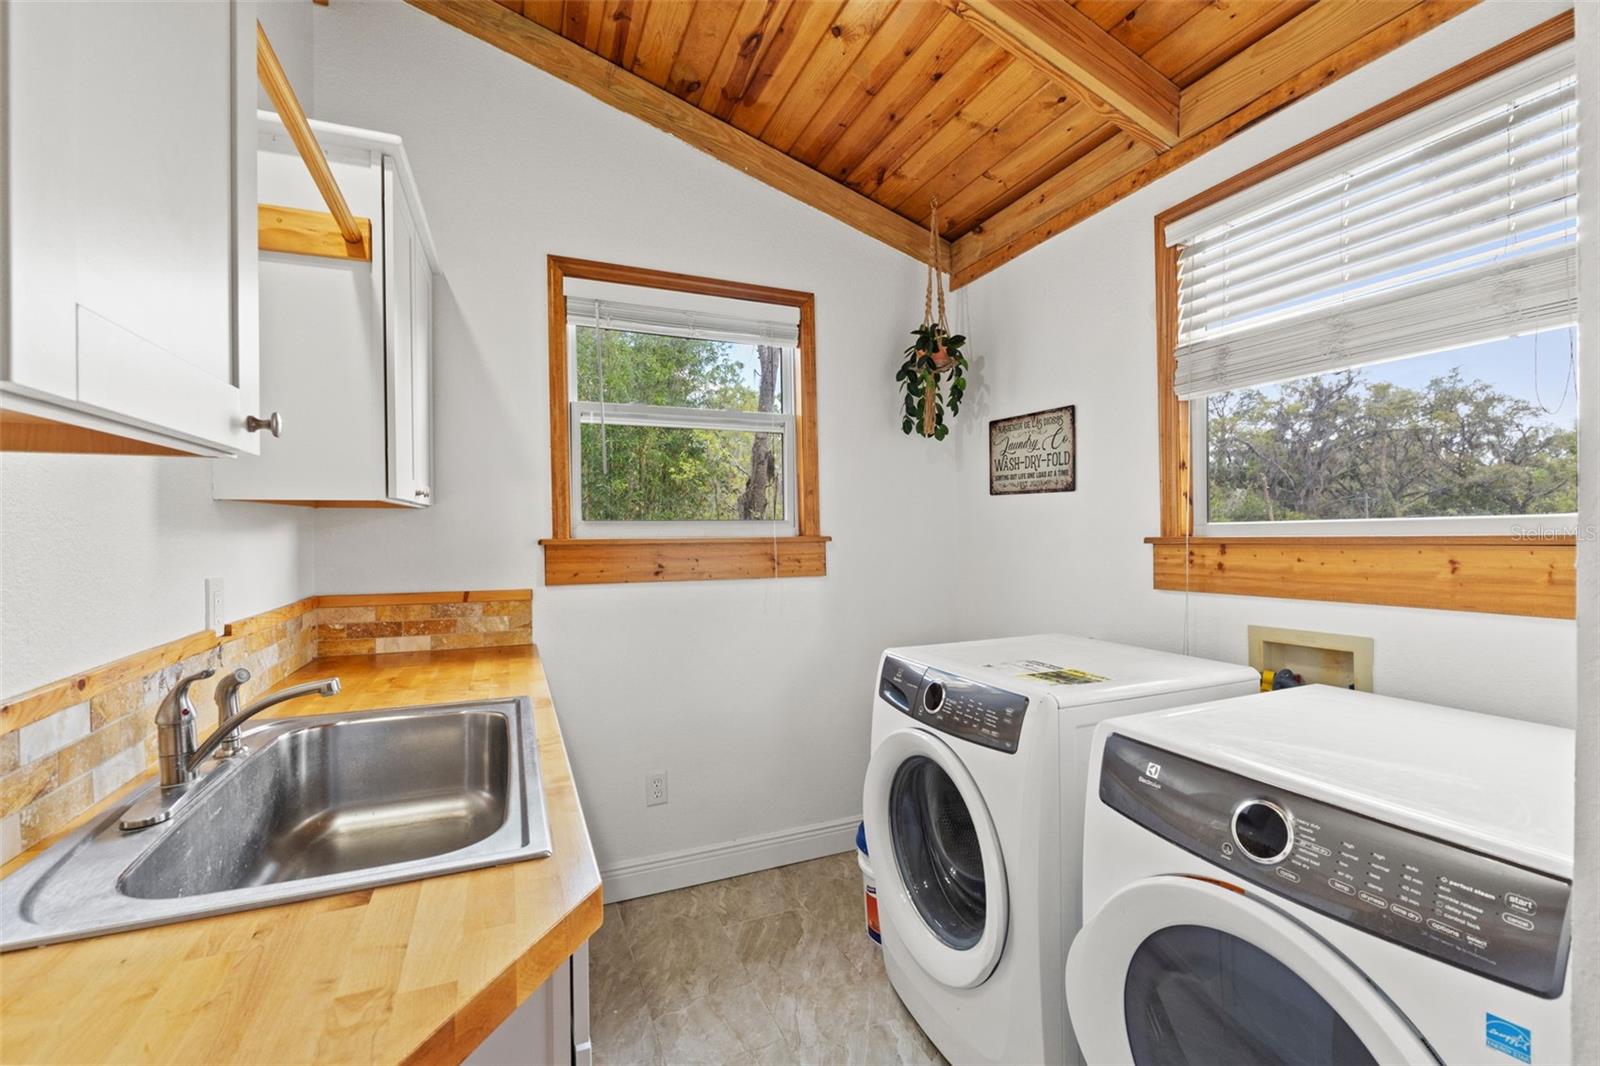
<point x="1320" y="658"/>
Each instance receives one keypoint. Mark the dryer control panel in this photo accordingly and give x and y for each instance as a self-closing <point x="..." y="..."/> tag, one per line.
<point x="1468" y="909"/>
<point x="949" y="703"/>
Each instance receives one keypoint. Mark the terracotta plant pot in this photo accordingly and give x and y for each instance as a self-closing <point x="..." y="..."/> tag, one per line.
<point x="940" y="356"/>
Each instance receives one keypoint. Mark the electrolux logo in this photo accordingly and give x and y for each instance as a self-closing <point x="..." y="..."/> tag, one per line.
<point x="1508" y="1038"/>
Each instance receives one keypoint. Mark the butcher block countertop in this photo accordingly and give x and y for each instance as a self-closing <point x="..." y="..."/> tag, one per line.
<point x="417" y="973"/>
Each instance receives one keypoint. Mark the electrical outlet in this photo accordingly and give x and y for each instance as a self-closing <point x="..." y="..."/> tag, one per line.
<point x="214" y="605"/>
<point x="655" y="788"/>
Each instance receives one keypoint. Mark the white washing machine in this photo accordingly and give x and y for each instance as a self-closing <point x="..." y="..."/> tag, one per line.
<point x="978" y="755"/>
<point x="1325" y="876"/>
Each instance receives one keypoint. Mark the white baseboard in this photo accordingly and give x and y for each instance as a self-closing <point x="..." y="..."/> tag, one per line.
<point x="696" y="866"/>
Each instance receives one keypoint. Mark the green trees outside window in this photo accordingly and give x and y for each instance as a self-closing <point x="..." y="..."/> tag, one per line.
<point x="673" y="473"/>
<point x="1372" y="443"/>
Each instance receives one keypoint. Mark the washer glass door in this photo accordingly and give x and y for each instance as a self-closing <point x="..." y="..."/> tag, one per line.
<point x="937" y="850"/>
<point x="936" y="853"/>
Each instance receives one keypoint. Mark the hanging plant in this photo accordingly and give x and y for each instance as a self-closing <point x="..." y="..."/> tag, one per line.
<point x="934" y="359"/>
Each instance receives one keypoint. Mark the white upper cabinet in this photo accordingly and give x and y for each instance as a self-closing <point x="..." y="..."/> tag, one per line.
<point x="129" y="221"/>
<point x="346" y="344"/>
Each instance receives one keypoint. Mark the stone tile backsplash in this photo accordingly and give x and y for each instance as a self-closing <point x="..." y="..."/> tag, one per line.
<point x="56" y="767"/>
<point x="59" y="764"/>
<point x="38" y="739"/>
<point x="389" y="627"/>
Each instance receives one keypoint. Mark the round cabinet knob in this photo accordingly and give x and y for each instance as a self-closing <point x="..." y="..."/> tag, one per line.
<point x="1264" y="831"/>
<point x="933" y="697"/>
<point x="273" y="423"/>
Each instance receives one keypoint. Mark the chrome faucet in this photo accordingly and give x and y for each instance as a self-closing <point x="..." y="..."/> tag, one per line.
<point x="179" y="758"/>
<point x="226" y="740"/>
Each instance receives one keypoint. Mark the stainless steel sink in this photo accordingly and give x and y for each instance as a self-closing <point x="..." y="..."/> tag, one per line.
<point x="320" y="805"/>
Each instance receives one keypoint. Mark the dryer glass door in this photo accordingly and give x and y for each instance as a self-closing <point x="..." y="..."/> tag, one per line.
<point x="1196" y="994"/>
<point x="1184" y="970"/>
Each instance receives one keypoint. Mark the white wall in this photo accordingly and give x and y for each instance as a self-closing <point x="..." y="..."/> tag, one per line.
<point x="290" y="28"/>
<point x="103" y="556"/>
<point x="754" y="696"/>
<point x="1074" y="322"/>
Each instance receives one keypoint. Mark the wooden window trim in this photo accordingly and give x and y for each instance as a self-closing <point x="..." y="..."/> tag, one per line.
<point x="570" y="560"/>
<point x="1497" y="575"/>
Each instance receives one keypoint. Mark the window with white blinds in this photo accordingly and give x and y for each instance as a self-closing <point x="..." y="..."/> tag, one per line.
<point x="1454" y="225"/>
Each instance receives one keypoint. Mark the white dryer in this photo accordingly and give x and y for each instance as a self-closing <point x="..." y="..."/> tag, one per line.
<point x="1325" y="876"/>
<point x="976" y="782"/>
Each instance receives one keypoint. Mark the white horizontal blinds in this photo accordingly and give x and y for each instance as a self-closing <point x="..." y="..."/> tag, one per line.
<point x="675" y="322"/>
<point x="1452" y="226"/>
<point x="592" y="412"/>
<point x="693" y="324"/>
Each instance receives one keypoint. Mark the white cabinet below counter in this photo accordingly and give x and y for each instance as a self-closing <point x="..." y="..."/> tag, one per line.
<point x="128" y="213"/>
<point x="549" y="1028"/>
<point x="346" y="344"/>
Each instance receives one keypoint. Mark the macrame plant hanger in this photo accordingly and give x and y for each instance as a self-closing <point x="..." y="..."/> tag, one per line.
<point x="941" y="361"/>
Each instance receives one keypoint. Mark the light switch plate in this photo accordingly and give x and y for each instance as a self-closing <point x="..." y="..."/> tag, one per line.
<point x="214" y="605"/>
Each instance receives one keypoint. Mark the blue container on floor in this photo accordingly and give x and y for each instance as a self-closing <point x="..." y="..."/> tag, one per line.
<point x="869" y="885"/>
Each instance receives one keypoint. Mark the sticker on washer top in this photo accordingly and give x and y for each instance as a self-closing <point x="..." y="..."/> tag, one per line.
<point x="1508" y="1038"/>
<point x="1050" y="673"/>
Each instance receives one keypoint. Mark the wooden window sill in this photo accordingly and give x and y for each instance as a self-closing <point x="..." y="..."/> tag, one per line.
<point x="1496" y="575"/>
<point x="586" y="561"/>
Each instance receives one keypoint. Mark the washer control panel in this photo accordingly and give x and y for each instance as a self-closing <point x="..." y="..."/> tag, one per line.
<point x="1471" y="910"/>
<point x="949" y="703"/>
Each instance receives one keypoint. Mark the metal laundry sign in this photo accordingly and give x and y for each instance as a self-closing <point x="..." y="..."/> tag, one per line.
<point x="1034" y="453"/>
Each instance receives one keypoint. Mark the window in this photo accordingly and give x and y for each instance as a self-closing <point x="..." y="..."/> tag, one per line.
<point x="681" y="417"/>
<point x="1373" y="336"/>
<point x="686" y="447"/>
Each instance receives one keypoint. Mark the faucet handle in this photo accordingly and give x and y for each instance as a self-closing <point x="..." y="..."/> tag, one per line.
<point x="177" y="704"/>
<point x="175" y="737"/>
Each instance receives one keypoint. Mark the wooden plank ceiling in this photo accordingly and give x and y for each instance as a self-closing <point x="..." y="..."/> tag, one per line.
<point x="1019" y="117"/>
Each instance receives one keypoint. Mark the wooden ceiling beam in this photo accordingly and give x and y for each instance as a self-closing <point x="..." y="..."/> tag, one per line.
<point x="1298" y="44"/>
<point x="555" y="55"/>
<point x="1068" y="47"/>
<point x="1068" y="198"/>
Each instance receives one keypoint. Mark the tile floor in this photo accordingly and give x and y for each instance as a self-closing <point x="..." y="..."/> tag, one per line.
<point x="773" y="967"/>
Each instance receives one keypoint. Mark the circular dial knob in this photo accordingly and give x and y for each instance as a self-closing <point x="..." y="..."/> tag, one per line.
<point x="1263" y="830"/>
<point x="933" y="697"/>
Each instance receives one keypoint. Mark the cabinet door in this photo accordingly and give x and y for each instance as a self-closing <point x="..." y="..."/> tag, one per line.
<point x="130" y="207"/>
<point x="540" y="1031"/>
<point x="322" y="347"/>
<point x="408" y="327"/>
<point x="421" y="371"/>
